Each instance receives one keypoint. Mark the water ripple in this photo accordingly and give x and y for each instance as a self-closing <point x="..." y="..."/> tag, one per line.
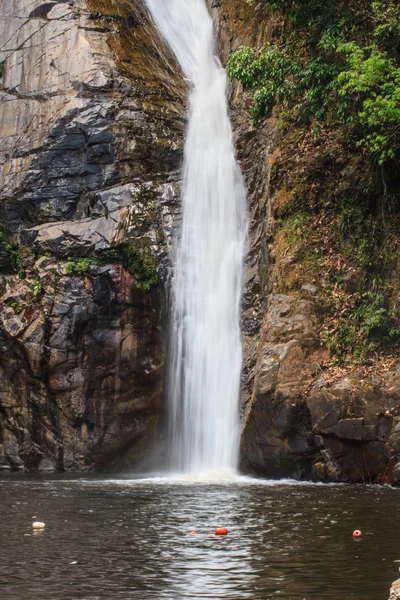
<point x="129" y="539"/>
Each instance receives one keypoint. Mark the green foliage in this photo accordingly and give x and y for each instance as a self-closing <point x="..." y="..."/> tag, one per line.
<point x="279" y="78"/>
<point x="371" y="320"/>
<point x="362" y="330"/>
<point x="300" y="12"/>
<point x="11" y="260"/>
<point x="17" y="261"/>
<point x="359" y="316"/>
<point x="373" y="79"/>
<point x="331" y="74"/>
<point x="386" y="20"/>
<point x="137" y="260"/>
<point x="17" y="308"/>
<point x="294" y="229"/>
<point x="265" y="70"/>
<point x="37" y="289"/>
<point x="143" y="266"/>
<point x="338" y="65"/>
<point x="80" y="267"/>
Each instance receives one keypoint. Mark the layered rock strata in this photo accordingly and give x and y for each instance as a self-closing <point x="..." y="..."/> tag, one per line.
<point x="297" y="420"/>
<point x="92" y="118"/>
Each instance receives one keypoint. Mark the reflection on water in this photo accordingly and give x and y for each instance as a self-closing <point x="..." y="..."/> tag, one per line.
<point x="122" y="540"/>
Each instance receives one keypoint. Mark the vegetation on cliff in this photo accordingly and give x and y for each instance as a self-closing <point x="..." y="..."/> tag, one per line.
<point x="336" y="63"/>
<point x="138" y="260"/>
<point x="330" y="74"/>
<point x="11" y="260"/>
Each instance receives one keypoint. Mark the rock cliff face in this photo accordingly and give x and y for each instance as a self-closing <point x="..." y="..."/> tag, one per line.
<point x="92" y="117"/>
<point x="91" y="127"/>
<point x="298" y="419"/>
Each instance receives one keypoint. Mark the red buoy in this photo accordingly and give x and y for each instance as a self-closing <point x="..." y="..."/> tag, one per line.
<point x="192" y="532"/>
<point x="221" y="531"/>
<point x="357" y="534"/>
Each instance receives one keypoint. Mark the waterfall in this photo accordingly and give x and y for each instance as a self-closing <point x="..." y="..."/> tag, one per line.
<point x="206" y="354"/>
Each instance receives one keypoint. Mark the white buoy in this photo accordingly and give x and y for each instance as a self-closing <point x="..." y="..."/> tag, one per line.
<point x="38" y="525"/>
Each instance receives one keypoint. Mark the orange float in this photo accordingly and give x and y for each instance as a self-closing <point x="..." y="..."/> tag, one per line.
<point x="357" y="534"/>
<point x="221" y="531"/>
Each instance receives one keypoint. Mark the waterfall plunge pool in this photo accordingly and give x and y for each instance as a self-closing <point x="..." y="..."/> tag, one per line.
<point x="128" y="539"/>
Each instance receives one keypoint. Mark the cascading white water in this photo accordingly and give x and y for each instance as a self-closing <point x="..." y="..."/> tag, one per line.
<point x="206" y="353"/>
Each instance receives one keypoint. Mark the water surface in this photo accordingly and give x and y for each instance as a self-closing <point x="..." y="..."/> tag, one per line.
<point x="122" y="540"/>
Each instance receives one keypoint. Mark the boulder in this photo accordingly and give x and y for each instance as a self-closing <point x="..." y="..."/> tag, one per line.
<point x="395" y="590"/>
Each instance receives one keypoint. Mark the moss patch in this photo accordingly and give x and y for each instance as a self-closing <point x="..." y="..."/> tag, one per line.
<point x="137" y="259"/>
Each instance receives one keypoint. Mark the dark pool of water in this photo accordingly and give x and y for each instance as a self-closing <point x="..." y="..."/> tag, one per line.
<point x="119" y="540"/>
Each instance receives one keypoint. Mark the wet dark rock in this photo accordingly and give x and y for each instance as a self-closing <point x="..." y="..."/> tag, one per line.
<point x="80" y="369"/>
<point x="295" y="421"/>
<point x="91" y="136"/>
<point x="396" y="474"/>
